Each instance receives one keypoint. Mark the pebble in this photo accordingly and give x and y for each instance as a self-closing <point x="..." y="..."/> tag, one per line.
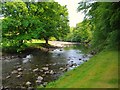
<point x="19" y="69"/>
<point x="35" y="70"/>
<point x="45" y="83"/>
<point x="45" y="68"/>
<point x="20" y="73"/>
<point x="7" y="77"/>
<point x="14" y="72"/>
<point x="40" y="78"/>
<point x="18" y="76"/>
<point x="30" y="88"/>
<point x="51" y="72"/>
<point x="47" y="72"/>
<point x="61" y="68"/>
<point x="41" y="70"/>
<point x="38" y="82"/>
<point x="28" y="83"/>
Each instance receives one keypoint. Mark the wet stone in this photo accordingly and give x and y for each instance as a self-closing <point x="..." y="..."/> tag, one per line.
<point x="19" y="69"/>
<point x="35" y="70"/>
<point x="18" y="76"/>
<point x="28" y="83"/>
<point x="14" y="72"/>
<point x="45" y="68"/>
<point x="7" y="77"/>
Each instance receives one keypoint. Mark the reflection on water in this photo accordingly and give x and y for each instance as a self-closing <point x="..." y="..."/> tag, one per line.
<point x="49" y="65"/>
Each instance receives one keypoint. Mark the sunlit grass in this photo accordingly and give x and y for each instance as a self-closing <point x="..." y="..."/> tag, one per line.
<point x="36" y="41"/>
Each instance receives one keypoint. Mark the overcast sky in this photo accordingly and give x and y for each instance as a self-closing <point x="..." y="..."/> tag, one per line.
<point x="74" y="16"/>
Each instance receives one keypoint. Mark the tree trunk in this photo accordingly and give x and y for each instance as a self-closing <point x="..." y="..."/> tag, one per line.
<point x="46" y="41"/>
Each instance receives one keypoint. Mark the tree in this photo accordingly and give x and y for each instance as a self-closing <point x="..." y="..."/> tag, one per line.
<point x="54" y="18"/>
<point x="104" y="17"/>
<point x="18" y="25"/>
<point x="32" y="20"/>
<point x="81" y="33"/>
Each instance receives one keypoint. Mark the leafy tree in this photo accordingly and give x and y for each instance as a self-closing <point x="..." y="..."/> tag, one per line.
<point x="27" y="21"/>
<point x="18" y="25"/>
<point x="105" y="18"/>
<point x="54" y="18"/>
<point x="81" y="33"/>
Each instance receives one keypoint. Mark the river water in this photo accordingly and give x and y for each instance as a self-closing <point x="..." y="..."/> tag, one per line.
<point x="48" y="65"/>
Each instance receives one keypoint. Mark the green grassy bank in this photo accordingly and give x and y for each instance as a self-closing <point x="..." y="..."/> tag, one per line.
<point x="101" y="71"/>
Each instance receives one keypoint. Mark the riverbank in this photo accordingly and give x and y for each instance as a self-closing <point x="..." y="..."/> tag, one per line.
<point x="101" y="71"/>
<point x="33" y="46"/>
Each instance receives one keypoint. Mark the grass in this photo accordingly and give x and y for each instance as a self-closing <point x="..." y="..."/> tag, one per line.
<point x="101" y="71"/>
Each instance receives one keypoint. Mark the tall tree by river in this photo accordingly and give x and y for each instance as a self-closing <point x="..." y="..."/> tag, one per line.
<point x="33" y="20"/>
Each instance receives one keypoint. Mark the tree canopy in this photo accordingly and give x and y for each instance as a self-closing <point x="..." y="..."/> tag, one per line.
<point x="33" y="20"/>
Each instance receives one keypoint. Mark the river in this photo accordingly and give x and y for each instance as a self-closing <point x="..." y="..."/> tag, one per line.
<point x="47" y="66"/>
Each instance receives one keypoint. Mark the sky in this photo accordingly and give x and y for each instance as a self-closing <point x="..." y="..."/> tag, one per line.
<point x="74" y="16"/>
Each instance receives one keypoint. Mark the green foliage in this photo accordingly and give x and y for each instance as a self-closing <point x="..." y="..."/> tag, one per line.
<point x="81" y="33"/>
<point x="105" y="19"/>
<point x="25" y="21"/>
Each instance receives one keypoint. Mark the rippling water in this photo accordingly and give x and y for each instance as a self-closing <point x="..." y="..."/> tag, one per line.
<point x="18" y="71"/>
